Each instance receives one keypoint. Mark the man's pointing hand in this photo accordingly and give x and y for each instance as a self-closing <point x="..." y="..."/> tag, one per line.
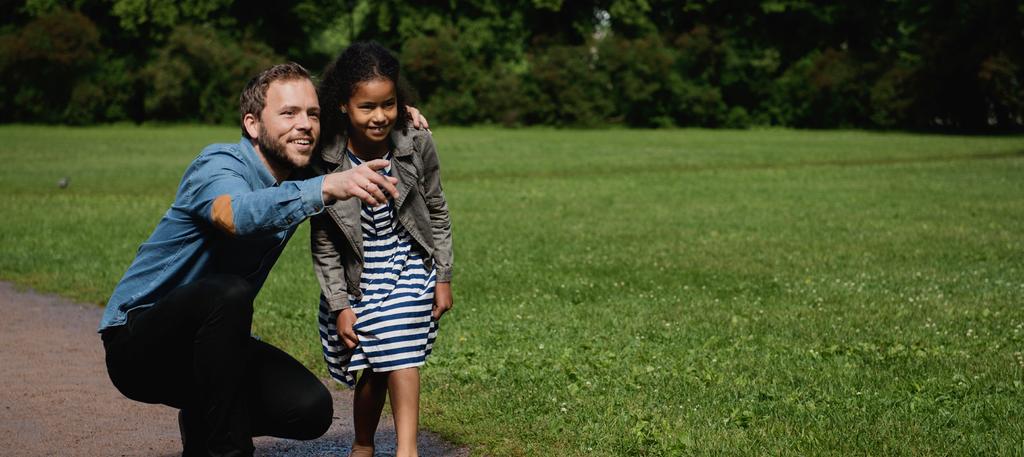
<point x="362" y="182"/>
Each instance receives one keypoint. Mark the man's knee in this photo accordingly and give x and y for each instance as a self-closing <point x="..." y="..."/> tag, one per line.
<point x="316" y="408"/>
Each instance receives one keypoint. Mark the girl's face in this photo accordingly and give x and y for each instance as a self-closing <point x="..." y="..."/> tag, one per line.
<point x="372" y="110"/>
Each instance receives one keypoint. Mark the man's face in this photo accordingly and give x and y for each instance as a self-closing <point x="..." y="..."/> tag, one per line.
<point x="289" y="125"/>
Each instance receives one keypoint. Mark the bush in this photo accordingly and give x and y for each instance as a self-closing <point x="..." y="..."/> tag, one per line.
<point x="891" y="98"/>
<point x="459" y="89"/>
<point x="41" y="64"/>
<point x="104" y="96"/>
<point x="645" y="89"/>
<point x="199" y="74"/>
<point x="433" y="63"/>
<point x="564" y="88"/>
<point x="1000" y="81"/>
<point x="821" y="90"/>
<point x="725" y="80"/>
<point x="440" y="76"/>
<point x="699" y="105"/>
<point x="500" y="96"/>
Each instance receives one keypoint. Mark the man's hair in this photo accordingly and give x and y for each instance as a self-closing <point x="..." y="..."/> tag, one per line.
<point x="361" y="62"/>
<point x="254" y="96"/>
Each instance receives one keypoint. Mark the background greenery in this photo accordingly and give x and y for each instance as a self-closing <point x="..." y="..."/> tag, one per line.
<point x="950" y="65"/>
<point x="659" y="292"/>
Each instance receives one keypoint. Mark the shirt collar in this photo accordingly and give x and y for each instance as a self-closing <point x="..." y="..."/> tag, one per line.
<point x="356" y="161"/>
<point x="249" y="154"/>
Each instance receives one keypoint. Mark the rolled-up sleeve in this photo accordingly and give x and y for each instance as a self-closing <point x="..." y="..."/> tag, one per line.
<point x="219" y="194"/>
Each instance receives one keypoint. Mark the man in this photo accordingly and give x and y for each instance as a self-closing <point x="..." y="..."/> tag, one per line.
<point x="177" y="328"/>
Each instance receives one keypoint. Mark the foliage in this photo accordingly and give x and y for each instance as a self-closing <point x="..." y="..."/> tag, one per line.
<point x="821" y="90"/>
<point x="137" y="16"/>
<point x="199" y="75"/>
<point x="441" y="74"/>
<point x="644" y="87"/>
<point x="564" y="88"/>
<point x="44" y="64"/>
<point x="945" y="65"/>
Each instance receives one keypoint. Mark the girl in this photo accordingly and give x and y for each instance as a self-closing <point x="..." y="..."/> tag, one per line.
<point x="384" y="269"/>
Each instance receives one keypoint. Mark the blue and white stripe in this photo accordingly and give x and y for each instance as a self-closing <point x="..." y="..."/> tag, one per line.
<point x="393" y="318"/>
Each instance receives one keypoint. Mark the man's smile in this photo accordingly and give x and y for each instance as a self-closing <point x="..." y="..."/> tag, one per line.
<point x="302" y="143"/>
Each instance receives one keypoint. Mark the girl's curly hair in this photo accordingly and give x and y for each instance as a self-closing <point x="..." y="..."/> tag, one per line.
<point x="362" y="61"/>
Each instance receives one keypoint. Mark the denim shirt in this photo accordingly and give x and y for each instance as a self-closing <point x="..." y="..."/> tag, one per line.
<point x="229" y="216"/>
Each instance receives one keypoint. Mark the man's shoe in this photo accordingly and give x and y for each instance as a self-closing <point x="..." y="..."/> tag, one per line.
<point x="193" y="435"/>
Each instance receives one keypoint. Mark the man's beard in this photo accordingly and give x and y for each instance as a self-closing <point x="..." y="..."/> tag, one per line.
<point x="274" y="152"/>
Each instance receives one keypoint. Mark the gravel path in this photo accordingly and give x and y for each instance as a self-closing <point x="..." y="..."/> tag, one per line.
<point x="56" y="398"/>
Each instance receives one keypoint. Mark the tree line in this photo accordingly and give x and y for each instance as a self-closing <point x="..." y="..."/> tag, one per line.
<point x="946" y="65"/>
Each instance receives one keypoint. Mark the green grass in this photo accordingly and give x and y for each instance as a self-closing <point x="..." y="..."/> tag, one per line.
<point x="642" y="292"/>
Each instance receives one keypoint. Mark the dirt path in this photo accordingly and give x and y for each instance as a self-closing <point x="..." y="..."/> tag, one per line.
<point x="56" y="399"/>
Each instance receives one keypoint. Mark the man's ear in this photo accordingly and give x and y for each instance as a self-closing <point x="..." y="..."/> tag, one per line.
<point x="252" y="125"/>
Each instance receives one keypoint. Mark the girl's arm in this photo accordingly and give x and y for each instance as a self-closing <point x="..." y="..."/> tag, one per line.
<point x="440" y="224"/>
<point x="440" y="227"/>
<point x="327" y="263"/>
<point x="330" y="272"/>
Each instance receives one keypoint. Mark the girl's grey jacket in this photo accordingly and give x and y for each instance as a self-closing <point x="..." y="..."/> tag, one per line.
<point x="336" y="234"/>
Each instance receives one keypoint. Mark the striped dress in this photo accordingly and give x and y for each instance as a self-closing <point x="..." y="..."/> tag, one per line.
<point x="393" y="318"/>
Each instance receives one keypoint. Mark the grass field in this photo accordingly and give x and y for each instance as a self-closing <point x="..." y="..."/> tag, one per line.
<point x="642" y="292"/>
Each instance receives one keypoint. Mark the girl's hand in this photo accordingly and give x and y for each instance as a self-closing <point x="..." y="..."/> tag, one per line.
<point x="418" y="121"/>
<point x="346" y="320"/>
<point x="442" y="299"/>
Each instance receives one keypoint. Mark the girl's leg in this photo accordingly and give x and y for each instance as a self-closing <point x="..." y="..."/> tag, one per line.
<point x="367" y="404"/>
<point x="404" y="386"/>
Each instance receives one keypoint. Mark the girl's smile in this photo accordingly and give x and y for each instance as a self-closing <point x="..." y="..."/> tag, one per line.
<point x="372" y="110"/>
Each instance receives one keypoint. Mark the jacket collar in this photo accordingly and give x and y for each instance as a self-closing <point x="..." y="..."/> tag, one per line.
<point x="346" y="212"/>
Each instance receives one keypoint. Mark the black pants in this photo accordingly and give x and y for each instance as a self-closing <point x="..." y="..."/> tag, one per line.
<point x="192" y="350"/>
